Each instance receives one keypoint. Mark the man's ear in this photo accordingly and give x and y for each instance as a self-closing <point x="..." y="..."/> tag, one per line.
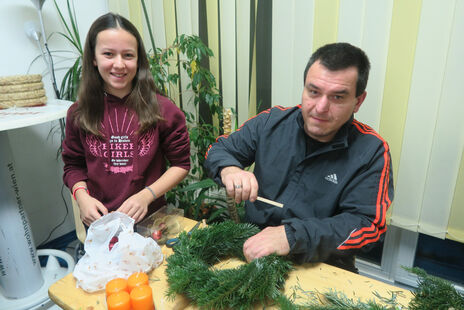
<point x="359" y="101"/>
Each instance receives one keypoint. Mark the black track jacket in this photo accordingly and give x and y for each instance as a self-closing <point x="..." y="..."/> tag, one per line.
<point x="335" y="199"/>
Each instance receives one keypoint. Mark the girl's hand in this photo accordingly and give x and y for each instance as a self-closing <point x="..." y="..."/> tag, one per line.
<point x="90" y="208"/>
<point x="136" y="206"/>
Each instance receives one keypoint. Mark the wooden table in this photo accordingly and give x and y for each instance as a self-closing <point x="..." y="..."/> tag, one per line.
<point x="310" y="277"/>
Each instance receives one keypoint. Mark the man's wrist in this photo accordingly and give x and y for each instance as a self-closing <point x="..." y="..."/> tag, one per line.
<point x="228" y="169"/>
<point x="290" y="234"/>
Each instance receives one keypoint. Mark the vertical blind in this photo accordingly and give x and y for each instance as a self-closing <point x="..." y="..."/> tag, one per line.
<point x="414" y="92"/>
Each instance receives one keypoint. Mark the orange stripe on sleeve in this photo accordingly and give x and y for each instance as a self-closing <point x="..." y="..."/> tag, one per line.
<point x="372" y="233"/>
<point x="207" y="151"/>
<point x="363" y="243"/>
<point x="265" y="111"/>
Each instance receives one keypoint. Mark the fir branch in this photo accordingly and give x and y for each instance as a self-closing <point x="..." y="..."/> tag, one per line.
<point x="190" y="270"/>
<point x="434" y="293"/>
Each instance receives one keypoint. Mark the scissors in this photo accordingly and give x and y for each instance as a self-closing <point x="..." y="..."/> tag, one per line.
<point x="173" y="241"/>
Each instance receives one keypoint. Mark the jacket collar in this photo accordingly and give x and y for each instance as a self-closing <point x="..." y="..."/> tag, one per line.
<point x="341" y="138"/>
<point x="339" y="141"/>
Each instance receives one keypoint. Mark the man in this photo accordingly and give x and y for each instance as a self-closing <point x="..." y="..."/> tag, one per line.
<point x="332" y="173"/>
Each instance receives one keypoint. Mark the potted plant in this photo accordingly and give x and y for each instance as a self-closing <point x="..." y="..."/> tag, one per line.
<point x="198" y="195"/>
<point x="70" y="83"/>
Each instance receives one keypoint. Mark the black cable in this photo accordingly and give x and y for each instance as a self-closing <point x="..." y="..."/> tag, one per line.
<point x="52" y="73"/>
<point x="61" y="223"/>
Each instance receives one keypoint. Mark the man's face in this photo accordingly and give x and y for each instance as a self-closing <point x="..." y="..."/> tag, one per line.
<point x="328" y="100"/>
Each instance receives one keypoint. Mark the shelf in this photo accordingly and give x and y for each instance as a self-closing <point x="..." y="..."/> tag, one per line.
<point x="13" y="118"/>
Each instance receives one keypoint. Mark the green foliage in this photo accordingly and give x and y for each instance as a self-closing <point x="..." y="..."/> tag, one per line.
<point x="333" y="300"/>
<point x="434" y="293"/>
<point x="185" y="54"/>
<point x="190" y="270"/>
<point x="71" y="80"/>
<point x="203" y="85"/>
<point x="194" y="197"/>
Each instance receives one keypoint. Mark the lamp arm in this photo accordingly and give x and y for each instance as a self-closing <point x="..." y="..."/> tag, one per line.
<point x="48" y="61"/>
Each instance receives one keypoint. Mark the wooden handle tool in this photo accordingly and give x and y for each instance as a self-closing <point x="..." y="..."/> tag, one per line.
<point x="271" y="202"/>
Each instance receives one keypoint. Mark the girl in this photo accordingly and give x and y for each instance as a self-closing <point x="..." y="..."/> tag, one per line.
<point x="120" y="134"/>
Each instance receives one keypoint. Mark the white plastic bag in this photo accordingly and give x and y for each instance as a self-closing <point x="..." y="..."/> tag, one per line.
<point x="132" y="253"/>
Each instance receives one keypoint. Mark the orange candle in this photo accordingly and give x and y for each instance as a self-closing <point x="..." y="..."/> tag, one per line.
<point x="142" y="298"/>
<point x="137" y="279"/>
<point x="119" y="301"/>
<point x="115" y="286"/>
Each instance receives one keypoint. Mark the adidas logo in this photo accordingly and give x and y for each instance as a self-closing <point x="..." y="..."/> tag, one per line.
<point x="332" y="178"/>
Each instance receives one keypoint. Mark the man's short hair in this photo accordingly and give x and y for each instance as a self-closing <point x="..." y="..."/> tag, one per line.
<point x="339" y="56"/>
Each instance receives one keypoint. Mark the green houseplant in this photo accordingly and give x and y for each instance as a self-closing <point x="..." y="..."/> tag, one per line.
<point x="186" y="53"/>
<point x="70" y="83"/>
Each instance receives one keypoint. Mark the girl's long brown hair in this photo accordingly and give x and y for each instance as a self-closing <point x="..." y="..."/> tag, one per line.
<point x="142" y="98"/>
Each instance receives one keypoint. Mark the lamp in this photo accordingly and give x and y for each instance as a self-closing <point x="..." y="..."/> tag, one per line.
<point x="33" y="33"/>
<point x="38" y="4"/>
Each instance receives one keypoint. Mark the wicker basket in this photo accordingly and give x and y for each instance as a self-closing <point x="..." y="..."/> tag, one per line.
<point x="22" y="91"/>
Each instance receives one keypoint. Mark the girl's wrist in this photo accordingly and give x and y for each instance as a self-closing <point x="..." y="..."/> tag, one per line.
<point x="78" y="188"/>
<point x="152" y="193"/>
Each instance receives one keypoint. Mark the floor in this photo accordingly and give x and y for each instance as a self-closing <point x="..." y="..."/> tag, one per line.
<point x="49" y="305"/>
<point x="71" y="249"/>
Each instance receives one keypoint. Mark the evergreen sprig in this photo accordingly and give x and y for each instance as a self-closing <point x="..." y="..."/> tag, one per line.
<point x="434" y="293"/>
<point x="333" y="300"/>
<point x="190" y="270"/>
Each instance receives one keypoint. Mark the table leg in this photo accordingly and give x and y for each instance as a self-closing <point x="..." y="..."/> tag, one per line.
<point x="20" y="273"/>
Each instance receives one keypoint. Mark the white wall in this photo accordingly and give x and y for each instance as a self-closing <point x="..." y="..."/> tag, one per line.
<point x="34" y="150"/>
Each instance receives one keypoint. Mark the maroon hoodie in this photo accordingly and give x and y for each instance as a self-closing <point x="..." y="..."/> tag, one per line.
<point x="123" y="162"/>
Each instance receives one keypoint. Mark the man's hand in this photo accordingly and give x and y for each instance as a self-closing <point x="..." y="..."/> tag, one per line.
<point x="136" y="206"/>
<point x="240" y="184"/>
<point x="90" y="208"/>
<point x="269" y="240"/>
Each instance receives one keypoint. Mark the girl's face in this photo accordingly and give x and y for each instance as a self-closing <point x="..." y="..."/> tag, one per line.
<point x="116" y="60"/>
